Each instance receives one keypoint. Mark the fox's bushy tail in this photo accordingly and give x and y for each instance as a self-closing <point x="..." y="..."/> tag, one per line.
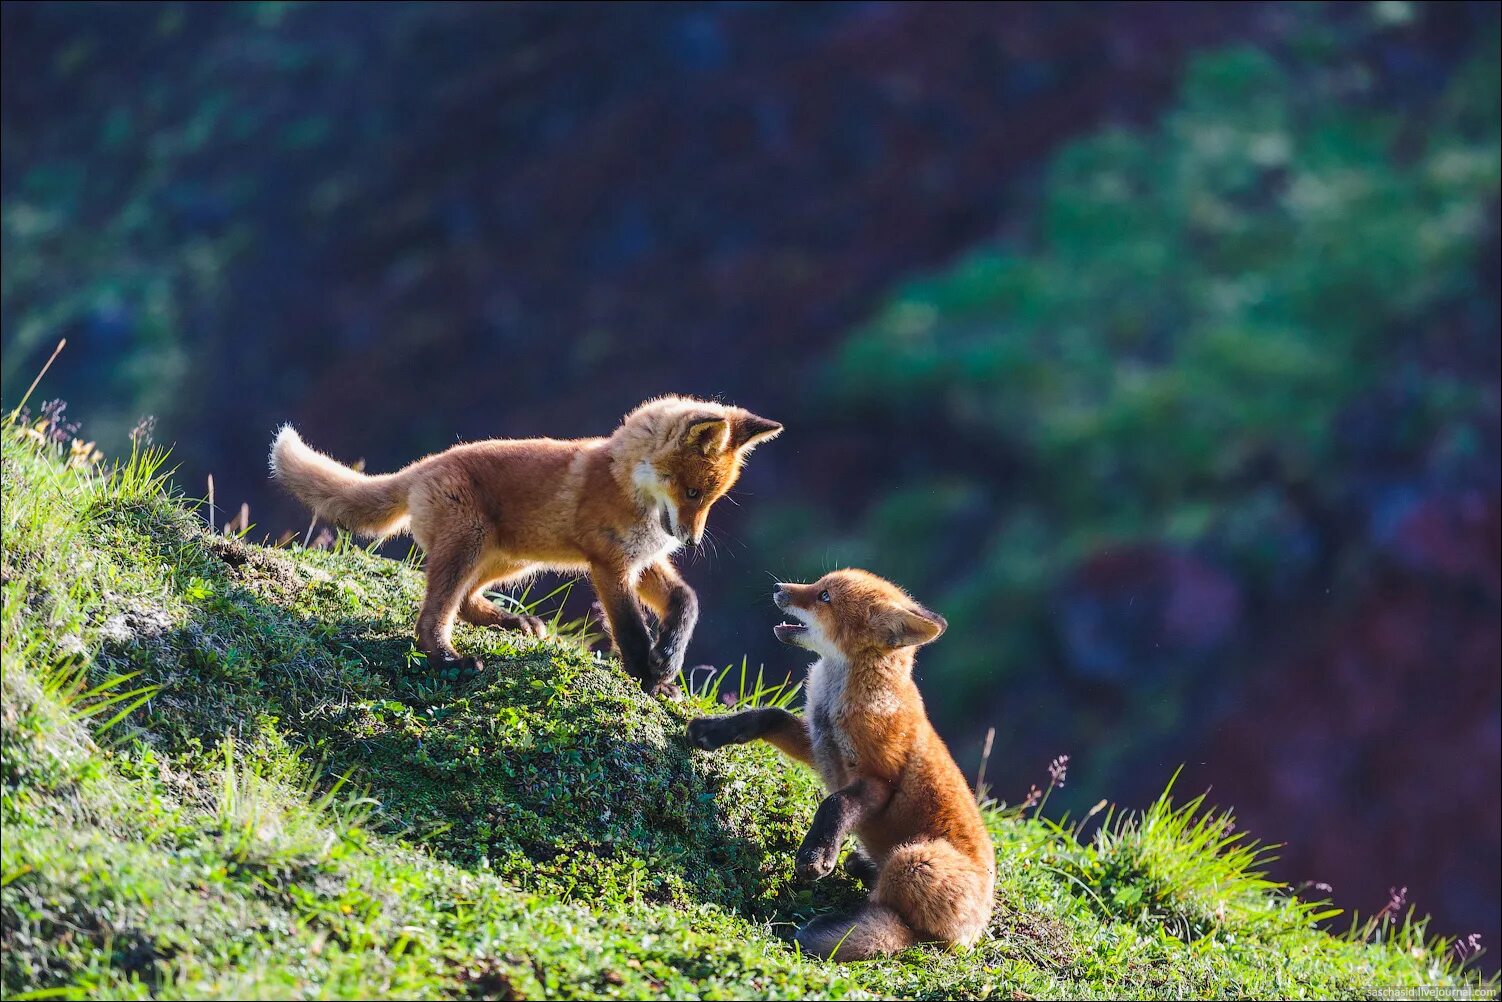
<point x="871" y="931"/>
<point x="374" y="506"/>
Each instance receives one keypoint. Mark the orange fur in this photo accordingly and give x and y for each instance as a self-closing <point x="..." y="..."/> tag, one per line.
<point x="486" y="513"/>
<point x="891" y="779"/>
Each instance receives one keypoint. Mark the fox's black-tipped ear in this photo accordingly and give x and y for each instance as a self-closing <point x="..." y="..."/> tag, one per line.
<point x="748" y="430"/>
<point x="708" y="434"/>
<point x="914" y="626"/>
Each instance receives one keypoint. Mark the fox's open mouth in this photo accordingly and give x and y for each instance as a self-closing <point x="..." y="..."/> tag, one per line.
<point x="789" y="632"/>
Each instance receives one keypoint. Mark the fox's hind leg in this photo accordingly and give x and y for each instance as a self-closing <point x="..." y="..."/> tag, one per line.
<point x="481" y="611"/>
<point x="450" y="566"/>
<point x="937" y="889"/>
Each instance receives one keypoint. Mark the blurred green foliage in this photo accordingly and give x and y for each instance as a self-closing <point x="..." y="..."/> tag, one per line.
<point x="157" y="158"/>
<point x="1174" y="354"/>
<point x="97" y="229"/>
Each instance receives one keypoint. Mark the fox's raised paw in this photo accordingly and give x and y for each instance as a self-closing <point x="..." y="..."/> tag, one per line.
<point x="709" y="733"/>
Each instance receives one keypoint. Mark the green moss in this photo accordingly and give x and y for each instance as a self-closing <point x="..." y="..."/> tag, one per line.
<point x="303" y="809"/>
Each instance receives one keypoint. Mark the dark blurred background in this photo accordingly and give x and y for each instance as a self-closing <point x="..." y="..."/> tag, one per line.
<point x="1155" y="345"/>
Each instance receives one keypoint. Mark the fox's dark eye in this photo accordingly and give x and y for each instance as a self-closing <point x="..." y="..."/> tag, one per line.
<point x="824" y="596"/>
<point x="692" y="493"/>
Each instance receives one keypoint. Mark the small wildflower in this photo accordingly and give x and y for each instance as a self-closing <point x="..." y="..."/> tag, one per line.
<point x="1468" y="947"/>
<point x="1396" y="898"/>
<point x="141" y="434"/>
<point x="54" y="422"/>
<point x="1058" y="770"/>
<point x="83" y="454"/>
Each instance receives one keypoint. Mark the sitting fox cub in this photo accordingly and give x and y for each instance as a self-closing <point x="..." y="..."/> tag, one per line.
<point x="491" y="512"/>
<point x="923" y="847"/>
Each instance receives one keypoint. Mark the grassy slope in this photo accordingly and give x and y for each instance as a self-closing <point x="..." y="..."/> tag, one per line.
<point x="537" y="830"/>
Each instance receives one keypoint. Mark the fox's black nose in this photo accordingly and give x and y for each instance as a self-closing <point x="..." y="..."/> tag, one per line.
<point x="780" y="597"/>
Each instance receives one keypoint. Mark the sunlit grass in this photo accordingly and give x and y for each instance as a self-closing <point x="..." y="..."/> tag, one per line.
<point x="228" y="775"/>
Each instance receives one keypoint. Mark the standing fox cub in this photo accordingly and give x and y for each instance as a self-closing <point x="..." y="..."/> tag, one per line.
<point x="486" y="513"/>
<point x="923" y="847"/>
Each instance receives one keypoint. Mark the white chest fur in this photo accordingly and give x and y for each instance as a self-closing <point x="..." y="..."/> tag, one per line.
<point x="825" y="711"/>
<point x="645" y="543"/>
<point x="648" y="541"/>
<point x="826" y="685"/>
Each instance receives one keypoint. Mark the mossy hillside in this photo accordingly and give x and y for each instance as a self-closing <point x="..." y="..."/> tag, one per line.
<point x="152" y="890"/>
<point x="538" y="829"/>
<point x="548" y="765"/>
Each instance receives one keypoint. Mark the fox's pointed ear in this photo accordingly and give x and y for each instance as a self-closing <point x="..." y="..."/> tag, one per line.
<point x="913" y="626"/>
<point x="708" y="434"/>
<point x="747" y="430"/>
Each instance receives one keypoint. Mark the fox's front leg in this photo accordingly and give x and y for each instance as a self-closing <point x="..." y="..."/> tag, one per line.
<point x="841" y="811"/>
<point x="677" y="610"/>
<point x="627" y="627"/>
<point x="779" y="728"/>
